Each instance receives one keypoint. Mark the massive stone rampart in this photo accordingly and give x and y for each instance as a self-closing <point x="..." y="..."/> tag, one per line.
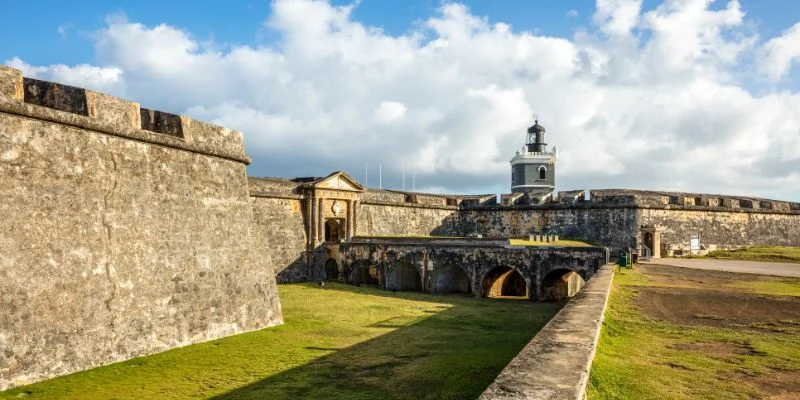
<point x="615" y="217"/>
<point x="126" y="232"/>
<point x="278" y="210"/>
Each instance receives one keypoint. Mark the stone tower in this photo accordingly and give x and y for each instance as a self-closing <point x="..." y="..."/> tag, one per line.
<point x="533" y="168"/>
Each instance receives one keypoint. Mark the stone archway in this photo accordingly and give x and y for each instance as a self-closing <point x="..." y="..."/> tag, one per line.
<point x="504" y="282"/>
<point x="403" y="276"/>
<point x="647" y="238"/>
<point x="651" y="239"/>
<point x="560" y="284"/>
<point x="364" y="273"/>
<point x="450" y="278"/>
<point x="331" y="270"/>
<point x="333" y="230"/>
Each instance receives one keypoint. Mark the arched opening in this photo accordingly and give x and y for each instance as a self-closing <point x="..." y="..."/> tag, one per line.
<point x="364" y="273"/>
<point x="648" y="240"/>
<point x="331" y="270"/>
<point x="333" y="230"/>
<point x="504" y="282"/>
<point x="542" y="173"/>
<point x="450" y="278"/>
<point x="560" y="284"/>
<point x="403" y="277"/>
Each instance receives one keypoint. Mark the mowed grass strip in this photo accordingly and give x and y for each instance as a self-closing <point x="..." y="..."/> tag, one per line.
<point x="338" y="342"/>
<point x="766" y="253"/>
<point x="642" y="358"/>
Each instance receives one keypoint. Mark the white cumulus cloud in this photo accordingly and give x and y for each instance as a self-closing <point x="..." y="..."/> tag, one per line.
<point x="641" y="98"/>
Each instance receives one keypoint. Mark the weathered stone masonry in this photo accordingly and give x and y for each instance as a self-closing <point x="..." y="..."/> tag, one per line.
<point x="125" y="232"/>
<point x="129" y="231"/>
<point x="620" y="219"/>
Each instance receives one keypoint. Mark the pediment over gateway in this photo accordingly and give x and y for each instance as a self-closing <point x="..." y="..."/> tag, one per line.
<point x="339" y="181"/>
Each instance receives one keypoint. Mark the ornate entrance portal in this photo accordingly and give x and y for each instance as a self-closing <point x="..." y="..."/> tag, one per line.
<point x="332" y="204"/>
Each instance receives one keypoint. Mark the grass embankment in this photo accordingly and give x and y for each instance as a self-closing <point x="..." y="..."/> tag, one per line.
<point x="641" y="357"/>
<point x="771" y="254"/>
<point x="340" y="342"/>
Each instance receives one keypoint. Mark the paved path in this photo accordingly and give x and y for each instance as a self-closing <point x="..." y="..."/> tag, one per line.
<point x="744" y="267"/>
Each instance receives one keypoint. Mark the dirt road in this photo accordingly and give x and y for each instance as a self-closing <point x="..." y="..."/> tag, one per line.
<point x="743" y="267"/>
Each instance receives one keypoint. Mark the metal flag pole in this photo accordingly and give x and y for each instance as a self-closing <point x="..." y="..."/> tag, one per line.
<point x="380" y="176"/>
<point x="414" y="175"/>
<point x="404" y="175"/>
<point x="366" y="173"/>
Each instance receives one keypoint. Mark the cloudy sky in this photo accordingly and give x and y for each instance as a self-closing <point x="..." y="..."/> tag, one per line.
<point x="690" y="95"/>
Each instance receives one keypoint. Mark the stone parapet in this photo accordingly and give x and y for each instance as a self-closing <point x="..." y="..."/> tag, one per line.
<point x="556" y="363"/>
<point x="637" y="199"/>
<point x="86" y="109"/>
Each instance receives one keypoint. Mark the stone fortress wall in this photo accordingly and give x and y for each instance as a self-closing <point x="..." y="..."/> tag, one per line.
<point x="130" y="231"/>
<point x="126" y="231"/>
<point x="616" y="218"/>
<point x="613" y="218"/>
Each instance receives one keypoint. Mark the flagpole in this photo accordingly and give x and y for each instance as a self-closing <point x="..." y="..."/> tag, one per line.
<point x="380" y="176"/>
<point x="366" y="174"/>
<point x="404" y="175"/>
<point x="414" y="175"/>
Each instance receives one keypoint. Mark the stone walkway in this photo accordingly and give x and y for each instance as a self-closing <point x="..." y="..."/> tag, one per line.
<point x="744" y="267"/>
<point x="555" y="363"/>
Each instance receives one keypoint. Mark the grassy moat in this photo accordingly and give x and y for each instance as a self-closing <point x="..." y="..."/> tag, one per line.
<point x="338" y="342"/>
<point x="677" y="333"/>
<point x="763" y="253"/>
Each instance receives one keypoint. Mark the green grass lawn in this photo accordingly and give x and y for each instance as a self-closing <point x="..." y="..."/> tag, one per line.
<point x="340" y="342"/>
<point x="772" y="254"/>
<point x="643" y="358"/>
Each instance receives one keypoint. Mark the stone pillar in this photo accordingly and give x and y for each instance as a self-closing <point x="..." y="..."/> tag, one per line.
<point x="349" y="222"/>
<point x="355" y="216"/>
<point x="314" y="221"/>
<point x="309" y="204"/>
<point x="320" y="222"/>
<point x="657" y="243"/>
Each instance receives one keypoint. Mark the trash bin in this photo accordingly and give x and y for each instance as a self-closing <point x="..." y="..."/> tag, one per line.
<point x="622" y="260"/>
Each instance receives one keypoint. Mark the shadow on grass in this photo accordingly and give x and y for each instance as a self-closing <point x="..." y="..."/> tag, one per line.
<point x="340" y="342"/>
<point x="452" y="354"/>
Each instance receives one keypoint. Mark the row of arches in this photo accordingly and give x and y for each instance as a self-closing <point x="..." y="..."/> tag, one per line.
<point x="500" y="282"/>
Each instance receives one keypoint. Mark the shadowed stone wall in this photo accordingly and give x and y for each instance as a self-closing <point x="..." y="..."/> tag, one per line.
<point x="278" y="211"/>
<point x="119" y="241"/>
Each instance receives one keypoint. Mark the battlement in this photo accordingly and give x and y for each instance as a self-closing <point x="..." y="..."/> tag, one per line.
<point x="403" y="198"/>
<point x="625" y="198"/>
<point x="86" y="109"/>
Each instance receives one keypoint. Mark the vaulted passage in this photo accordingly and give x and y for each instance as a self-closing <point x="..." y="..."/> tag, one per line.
<point x="333" y="230"/>
<point x="331" y="270"/>
<point x="365" y="273"/>
<point x="504" y="282"/>
<point x="560" y="284"/>
<point x="403" y="277"/>
<point x="450" y="278"/>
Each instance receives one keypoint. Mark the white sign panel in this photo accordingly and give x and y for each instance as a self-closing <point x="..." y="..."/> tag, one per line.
<point x="695" y="242"/>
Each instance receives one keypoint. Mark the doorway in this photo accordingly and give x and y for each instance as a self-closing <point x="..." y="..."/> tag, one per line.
<point x="333" y="230"/>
